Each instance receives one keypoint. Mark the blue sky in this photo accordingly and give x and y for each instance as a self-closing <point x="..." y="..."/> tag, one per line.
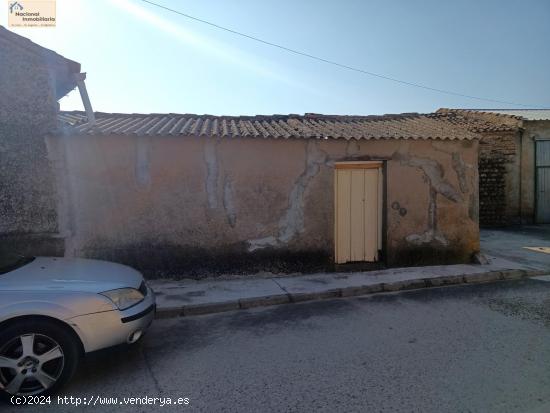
<point x="142" y="59"/>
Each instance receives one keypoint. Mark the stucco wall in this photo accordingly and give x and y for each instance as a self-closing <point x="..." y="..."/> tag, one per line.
<point x="28" y="108"/>
<point x="173" y="204"/>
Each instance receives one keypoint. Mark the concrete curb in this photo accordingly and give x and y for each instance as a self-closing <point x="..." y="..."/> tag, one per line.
<point x="413" y="284"/>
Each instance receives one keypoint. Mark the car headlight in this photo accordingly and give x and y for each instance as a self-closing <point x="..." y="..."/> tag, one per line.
<point x="124" y="298"/>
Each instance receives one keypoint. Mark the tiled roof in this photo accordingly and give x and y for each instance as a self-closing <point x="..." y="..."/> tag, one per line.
<point x="496" y="122"/>
<point x="403" y="126"/>
<point x="524" y="114"/>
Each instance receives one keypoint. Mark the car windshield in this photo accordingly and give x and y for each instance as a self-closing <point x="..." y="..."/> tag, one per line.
<point x="10" y="261"/>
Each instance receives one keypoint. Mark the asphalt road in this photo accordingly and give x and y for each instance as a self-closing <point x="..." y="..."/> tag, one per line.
<point x="509" y="243"/>
<point x="477" y="348"/>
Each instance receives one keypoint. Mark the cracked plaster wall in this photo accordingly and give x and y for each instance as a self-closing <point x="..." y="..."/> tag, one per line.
<point x="235" y="197"/>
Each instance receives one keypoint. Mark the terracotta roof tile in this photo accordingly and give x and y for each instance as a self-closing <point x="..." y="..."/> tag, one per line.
<point x="482" y="121"/>
<point x="518" y="114"/>
<point x="445" y="124"/>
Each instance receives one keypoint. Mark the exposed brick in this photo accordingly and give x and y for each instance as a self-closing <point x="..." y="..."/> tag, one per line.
<point x="496" y="151"/>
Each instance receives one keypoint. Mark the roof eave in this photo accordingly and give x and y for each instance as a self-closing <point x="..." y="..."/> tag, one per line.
<point x="63" y="69"/>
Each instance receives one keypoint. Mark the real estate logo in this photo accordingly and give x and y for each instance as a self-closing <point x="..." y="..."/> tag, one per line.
<point x="15" y="5"/>
<point x="31" y="13"/>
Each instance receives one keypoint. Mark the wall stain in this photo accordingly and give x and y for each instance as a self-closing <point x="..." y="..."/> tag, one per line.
<point x="211" y="159"/>
<point x="460" y="167"/>
<point x="143" y="174"/>
<point x="353" y="149"/>
<point x="435" y="177"/>
<point x="292" y="222"/>
<point x="228" y="202"/>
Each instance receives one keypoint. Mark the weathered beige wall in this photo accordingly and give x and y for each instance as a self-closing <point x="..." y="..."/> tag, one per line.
<point x="172" y="203"/>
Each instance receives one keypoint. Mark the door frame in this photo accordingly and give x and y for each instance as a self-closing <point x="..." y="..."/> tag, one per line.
<point x="536" y="178"/>
<point x="381" y="165"/>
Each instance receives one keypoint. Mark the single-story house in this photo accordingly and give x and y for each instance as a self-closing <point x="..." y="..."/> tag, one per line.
<point x="189" y="192"/>
<point x="514" y="165"/>
<point x="171" y="193"/>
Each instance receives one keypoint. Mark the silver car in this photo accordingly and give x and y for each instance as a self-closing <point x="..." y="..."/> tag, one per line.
<point x="54" y="310"/>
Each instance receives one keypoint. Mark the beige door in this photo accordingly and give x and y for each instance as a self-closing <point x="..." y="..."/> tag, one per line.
<point x="358" y="211"/>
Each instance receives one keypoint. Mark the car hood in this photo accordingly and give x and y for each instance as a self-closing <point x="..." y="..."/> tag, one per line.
<point x="70" y="274"/>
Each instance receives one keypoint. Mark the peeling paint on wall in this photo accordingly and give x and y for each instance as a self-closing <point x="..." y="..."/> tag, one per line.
<point x="352" y="148"/>
<point x="62" y="156"/>
<point x="210" y="157"/>
<point x="143" y="175"/>
<point x="278" y="204"/>
<point x="228" y="202"/>
<point x="292" y="222"/>
<point x="432" y="234"/>
<point x="460" y="167"/>
<point x="434" y="174"/>
<point x="433" y="171"/>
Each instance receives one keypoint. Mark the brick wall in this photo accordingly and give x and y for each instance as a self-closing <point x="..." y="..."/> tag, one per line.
<point x="497" y="156"/>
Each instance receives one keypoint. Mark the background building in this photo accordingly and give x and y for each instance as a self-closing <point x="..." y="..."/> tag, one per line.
<point x="514" y="162"/>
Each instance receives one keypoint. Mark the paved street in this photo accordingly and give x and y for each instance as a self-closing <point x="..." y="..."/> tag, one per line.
<point x="509" y="243"/>
<point x="472" y="348"/>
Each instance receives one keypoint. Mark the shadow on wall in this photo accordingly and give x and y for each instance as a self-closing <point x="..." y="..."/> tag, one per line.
<point x="168" y="260"/>
<point x="417" y="256"/>
<point x="161" y="260"/>
<point x="43" y="244"/>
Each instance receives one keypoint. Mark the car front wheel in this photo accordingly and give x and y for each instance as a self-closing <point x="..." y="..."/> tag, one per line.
<point x="36" y="358"/>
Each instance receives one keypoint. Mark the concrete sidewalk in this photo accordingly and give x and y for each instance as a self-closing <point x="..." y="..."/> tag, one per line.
<point x="191" y="297"/>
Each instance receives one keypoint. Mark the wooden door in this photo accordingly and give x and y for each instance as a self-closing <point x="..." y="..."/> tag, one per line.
<point x="358" y="204"/>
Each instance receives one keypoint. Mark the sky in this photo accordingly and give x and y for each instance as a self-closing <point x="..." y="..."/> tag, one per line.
<point x="142" y="59"/>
